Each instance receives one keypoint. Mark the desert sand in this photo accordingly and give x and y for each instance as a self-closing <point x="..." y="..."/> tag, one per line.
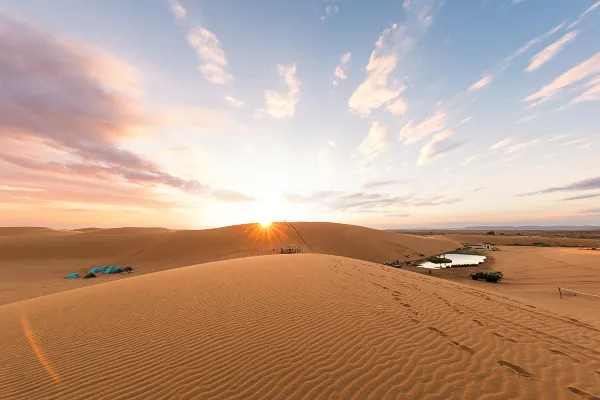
<point x="301" y="326"/>
<point x="245" y="322"/>
<point x="34" y="261"/>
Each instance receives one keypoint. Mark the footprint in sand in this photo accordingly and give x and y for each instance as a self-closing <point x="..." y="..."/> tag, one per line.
<point x="437" y="331"/>
<point x="463" y="347"/>
<point x="504" y="337"/>
<point x="478" y="322"/>
<point x="583" y="394"/>
<point x="516" y="369"/>
<point x="416" y="321"/>
<point x="560" y="353"/>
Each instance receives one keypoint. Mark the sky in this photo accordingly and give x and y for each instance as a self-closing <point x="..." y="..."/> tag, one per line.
<point x="384" y="113"/>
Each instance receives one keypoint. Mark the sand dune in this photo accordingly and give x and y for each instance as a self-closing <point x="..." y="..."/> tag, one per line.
<point x="306" y="326"/>
<point x="35" y="264"/>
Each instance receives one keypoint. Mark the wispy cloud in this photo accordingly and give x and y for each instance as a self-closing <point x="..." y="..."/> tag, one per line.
<point x="341" y="70"/>
<point x="573" y="142"/>
<point x="282" y="105"/>
<point x="437" y="147"/>
<point x="380" y="89"/>
<point x="375" y="144"/>
<point x="500" y="67"/>
<point x="380" y="184"/>
<point x="520" y="146"/>
<point x="582" y="197"/>
<point x="412" y="133"/>
<point x="483" y="82"/>
<point x="468" y="161"/>
<point x="234" y="102"/>
<point x="591" y="94"/>
<point x="583" y="14"/>
<point x="376" y="90"/>
<point x="369" y="202"/>
<point x="550" y="51"/>
<point x="560" y="137"/>
<point x="213" y="60"/>
<point x="586" y="184"/>
<point x="176" y="9"/>
<point x="502" y="143"/>
<point x="331" y="143"/>
<point x="586" y="69"/>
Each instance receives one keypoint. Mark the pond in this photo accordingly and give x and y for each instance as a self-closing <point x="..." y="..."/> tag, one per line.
<point x="457" y="259"/>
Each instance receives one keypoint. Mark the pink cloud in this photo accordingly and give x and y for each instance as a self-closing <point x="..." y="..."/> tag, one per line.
<point x="59" y="96"/>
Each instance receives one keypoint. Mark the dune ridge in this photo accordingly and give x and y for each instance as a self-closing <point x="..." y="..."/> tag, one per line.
<point x="306" y="327"/>
<point x="35" y="264"/>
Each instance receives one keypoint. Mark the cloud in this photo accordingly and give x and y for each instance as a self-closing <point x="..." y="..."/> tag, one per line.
<point x="176" y="9"/>
<point x="380" y="184"/>
<point x="234" y="102"/>
<point x="376" y="91"/>
<point x="282" y="105"/>
<point x="501" y="66"/>
<point x="398" y="107"/>
<point x="437" y="147"/>
<point x="559" y="137"/>
<point x="582" y="197"/>
<point x="341" y="70"/>
<point x="527" y="118"/>
<point x="586" y="184"/>
<point x="375" y="144"/>
<point x="520" y="146"/>
<point x="502" y="143"/>
<point x="411" y="133"/>
<point x="213" y="60"/>
<point x="573" y="142"/>
<point x="368" y="202"/>
<point x="331" y="143"/>
<point x="586" y="69"/>
<point x="591" y="94"/>
<point x="468" y="161"/>
<point x="231" y="196"/>
<point x="550" y="51"/>
<point x="483" y="82"/>
<point x="583" y="14"/>
<point x="65" y="108"/>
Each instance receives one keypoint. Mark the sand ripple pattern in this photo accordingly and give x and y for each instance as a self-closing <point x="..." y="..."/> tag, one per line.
<point x="302" y="327"/>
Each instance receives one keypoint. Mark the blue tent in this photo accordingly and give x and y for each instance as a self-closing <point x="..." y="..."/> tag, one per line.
<point x="72" y="275"/>
<point x="118" y="269"/>
<point x="101" y="269"/>
<point x="109" y="270"/>
<point x="94" y="270"/>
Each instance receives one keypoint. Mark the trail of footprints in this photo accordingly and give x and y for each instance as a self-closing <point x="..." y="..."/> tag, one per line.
<point x="516" y="369"/>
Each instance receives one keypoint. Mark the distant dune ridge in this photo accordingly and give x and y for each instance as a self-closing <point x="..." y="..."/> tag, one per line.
<point x="34" y="261"/>
<point x="306" y="326"/>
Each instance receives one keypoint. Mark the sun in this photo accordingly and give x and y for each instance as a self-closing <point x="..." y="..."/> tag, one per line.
<point x="265" y="224"/>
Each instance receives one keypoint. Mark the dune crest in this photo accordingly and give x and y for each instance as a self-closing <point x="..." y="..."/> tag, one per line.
<point x="34" y="265"/>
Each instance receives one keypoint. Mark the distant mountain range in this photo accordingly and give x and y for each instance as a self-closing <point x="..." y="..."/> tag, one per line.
<point x="535" y="228"/>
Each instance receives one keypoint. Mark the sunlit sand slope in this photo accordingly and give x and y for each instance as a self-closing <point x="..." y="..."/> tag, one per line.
<point x="34" y="261"/>
<point x="301" y="327"/>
